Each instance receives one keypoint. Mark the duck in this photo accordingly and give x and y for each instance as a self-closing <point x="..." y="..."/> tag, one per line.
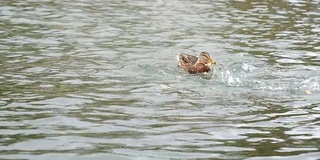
<point x="195" y="64"/>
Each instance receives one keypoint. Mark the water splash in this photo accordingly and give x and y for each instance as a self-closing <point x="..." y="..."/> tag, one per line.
<point x="250" y="76"/>
<point x="312" y="83"/>
<point x="234" y="74"/>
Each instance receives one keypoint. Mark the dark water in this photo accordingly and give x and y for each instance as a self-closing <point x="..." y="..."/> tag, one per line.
<point x="99" y="80"/>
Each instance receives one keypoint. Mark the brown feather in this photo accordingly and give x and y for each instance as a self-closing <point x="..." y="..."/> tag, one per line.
<point x="193" y="64"/>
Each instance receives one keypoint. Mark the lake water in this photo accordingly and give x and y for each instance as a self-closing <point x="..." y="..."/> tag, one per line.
<point x="99" y="80"/>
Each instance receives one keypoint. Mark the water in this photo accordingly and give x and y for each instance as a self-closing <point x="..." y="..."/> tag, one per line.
<point x="99" y="80"/>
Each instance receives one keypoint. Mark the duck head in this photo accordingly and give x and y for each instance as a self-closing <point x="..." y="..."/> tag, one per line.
<point x="205" y="59"/>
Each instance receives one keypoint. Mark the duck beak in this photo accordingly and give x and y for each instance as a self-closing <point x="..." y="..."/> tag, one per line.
<point x="212" y="63"/>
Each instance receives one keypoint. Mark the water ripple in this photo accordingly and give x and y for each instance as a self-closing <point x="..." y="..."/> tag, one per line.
<point x="99" y="80"/>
